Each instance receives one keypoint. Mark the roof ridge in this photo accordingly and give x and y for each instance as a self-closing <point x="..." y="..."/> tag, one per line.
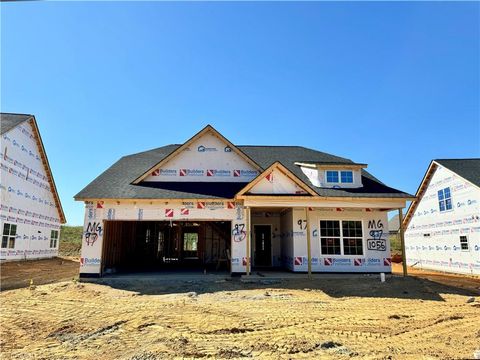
<point x="268" y="146"/>
<point x="9" y="113"/>
<point x="463" y="159"/>
<point x="150" y="150"/>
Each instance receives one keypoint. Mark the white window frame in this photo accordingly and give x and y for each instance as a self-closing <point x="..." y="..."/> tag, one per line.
<point x="444" y="200"/>
<point x="54" y="239"/>
<point x="9" y="236"/>
<point x="339" y="174"/>
<point x="332" y="182"/>
<point x="342" y="252"/>
<point x="467" y="242"/>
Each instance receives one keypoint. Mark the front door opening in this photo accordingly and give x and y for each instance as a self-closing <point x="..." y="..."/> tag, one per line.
<point x="263" y="245"/>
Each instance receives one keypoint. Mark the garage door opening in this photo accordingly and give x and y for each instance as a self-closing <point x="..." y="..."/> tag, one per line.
<point x="155" y="245"/>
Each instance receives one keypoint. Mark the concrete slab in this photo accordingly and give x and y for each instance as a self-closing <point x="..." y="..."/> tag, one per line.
<point x="286" y="275"/>
<point x="183" y="276"/>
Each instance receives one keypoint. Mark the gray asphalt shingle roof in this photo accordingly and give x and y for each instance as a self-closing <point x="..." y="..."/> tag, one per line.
<point x="469" y="169"/>
<point x="116" y="181"/>
<point x="9" y="121"/>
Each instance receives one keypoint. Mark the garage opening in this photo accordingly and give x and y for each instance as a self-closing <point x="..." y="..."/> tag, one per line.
<point x="130" y="246"/>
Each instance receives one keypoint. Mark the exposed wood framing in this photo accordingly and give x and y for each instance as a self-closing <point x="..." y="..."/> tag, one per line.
<point x="248" y="239"/>
<point x="402" y="240"/>
<point x="309" y="243"/>
<point x="420" y="191"/>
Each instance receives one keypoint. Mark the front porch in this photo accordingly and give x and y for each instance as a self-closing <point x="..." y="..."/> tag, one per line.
<point x="316" y="239"/>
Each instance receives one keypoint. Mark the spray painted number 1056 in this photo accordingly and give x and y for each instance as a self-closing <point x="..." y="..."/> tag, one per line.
<point x="377" y="244"/>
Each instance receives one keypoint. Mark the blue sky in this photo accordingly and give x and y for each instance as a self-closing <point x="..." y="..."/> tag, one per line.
<point x="392" y="84"/>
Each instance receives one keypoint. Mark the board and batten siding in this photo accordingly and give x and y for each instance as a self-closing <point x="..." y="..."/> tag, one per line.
<point x="27" y="200"/>
<point x="432" y="239"/>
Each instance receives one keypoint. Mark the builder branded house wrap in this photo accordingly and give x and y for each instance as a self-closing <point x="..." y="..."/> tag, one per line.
<point x="211" y="204"/>
<point x="30" y="209"/>
<point x="443" y="224"/>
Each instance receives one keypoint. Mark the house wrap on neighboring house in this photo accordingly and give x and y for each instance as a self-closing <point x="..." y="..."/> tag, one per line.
<point x="443" y="224"/>
<point x="30" y="209"/>
<point x="208" y="203"/>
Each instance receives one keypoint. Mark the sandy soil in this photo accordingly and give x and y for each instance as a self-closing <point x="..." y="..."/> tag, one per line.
<point x="471" y="283"/>
<point x="331" y="318"/>
<point x="17" y="274"/>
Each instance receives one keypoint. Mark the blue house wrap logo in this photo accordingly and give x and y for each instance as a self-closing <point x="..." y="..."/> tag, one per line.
<point x="202" y="148"/>
<point x="341" y="262"/>
<point x="168" y="172"/>
<point x="84" y="261"/>
<point x="373" y="262"/>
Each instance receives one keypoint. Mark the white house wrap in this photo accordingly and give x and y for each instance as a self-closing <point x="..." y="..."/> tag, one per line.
<point x="30" y="210"/>
<point x="211" y="204"/>
<point x="443" y="225"/>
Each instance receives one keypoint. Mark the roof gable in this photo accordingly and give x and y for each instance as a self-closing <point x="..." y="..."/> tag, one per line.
<point x="277" y="180"/>
<point x="207" y="156"/>
<point x="468" y="169"/>
<point x="19" y="119"/>
<point x="9" y="121"/>
<point x="118" y="181"/>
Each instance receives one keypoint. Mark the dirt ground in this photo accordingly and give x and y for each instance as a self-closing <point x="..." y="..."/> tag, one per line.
<point x="459" y="281"/>
<point x="18" y="274"/>
<point x="335" y="317"/>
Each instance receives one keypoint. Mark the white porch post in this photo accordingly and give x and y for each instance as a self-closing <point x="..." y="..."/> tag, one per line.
<point x="402" y="240"/>
<point x="309" y="247"/>
<point x="248" y="239"/>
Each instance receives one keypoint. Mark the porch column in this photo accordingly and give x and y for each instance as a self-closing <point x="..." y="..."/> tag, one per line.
<point x="402" y="240"/>
<point x="248" y="239"/>
<point x="309" y="247"/>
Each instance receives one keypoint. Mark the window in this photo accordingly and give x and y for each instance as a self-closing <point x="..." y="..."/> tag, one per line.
<point x="53" y="238"/>
<point x="330" y="237"/>
<point x="190" y="241"/>
<point x="332" y="176"/>
<point x="352" y="237"/>
<point x="9" y="235"/>
<point x="463" y="243"/>
<point x="346" y="176"/>
<point x="341" y="237"/>
<point x="444" y="199"/>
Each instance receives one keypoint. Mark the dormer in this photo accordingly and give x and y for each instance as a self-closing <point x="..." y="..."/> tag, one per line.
<point x="333" y="175"/>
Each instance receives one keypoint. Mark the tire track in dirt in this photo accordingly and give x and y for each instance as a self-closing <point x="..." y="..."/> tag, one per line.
<point x="93" y="321"/>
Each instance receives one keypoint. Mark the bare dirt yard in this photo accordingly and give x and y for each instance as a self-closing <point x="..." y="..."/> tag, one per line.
<point x="213" y="316"/>
<point x="18" y="274"/>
